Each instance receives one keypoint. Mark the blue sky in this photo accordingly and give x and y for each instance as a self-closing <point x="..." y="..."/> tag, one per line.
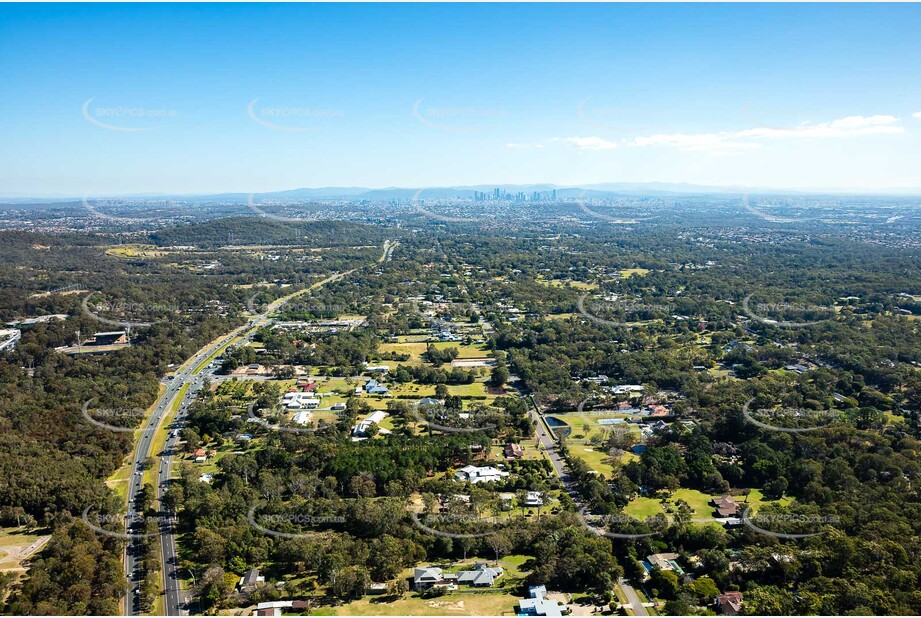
<point x="205" y="98"/>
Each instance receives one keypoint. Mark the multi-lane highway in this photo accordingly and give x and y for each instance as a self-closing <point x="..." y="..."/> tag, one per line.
<point x="184" y="375"/>
<point x="174" y="599"/>
<point x="193" y="372"/>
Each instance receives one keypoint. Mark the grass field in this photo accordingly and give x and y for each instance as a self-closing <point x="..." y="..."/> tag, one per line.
<point x="135" y="251"/>
<point x="476" y="389"/>
<point x="215" y="354"/>
<point x="221" y="451"/>
<point x="16" y="545"/>
<point x="643" y="507"/>
<point x="121" y="478"/>
<point x="595" y="459"/>
<point x="562" y="316"/>
<point x="464" y="351"/>
<point x="464" y="602"/>
<point x="577" y="422"/>
<point x="417" y="348"/>
<point x="159" y="440"/>
<point x="562" y="283"/>
<point x="454" y="604"/>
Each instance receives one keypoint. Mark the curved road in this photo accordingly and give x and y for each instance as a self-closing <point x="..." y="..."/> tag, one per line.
<point x="193" y="373"/>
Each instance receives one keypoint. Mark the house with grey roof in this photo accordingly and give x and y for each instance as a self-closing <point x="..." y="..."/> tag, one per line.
<point x="484" y="474"/>
<point x="482" y="576"/>
<point x="429" y="577"/>
<point x="250" y="580"/>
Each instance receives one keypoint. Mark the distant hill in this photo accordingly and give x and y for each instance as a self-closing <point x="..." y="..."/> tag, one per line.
<point x="467" y="192"/>
<point x="259" y="231"/>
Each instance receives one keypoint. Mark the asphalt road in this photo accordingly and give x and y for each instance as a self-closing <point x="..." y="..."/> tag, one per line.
<point x="142" y="452"/>
<point x="635" y="603"/>
<point x="549" y="445"/>
<point x="559" y="466"/>
<point x="176" y="602"/>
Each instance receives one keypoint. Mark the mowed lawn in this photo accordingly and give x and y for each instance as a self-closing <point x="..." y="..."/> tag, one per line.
<point x="121" y="478"/>
<point x="562" y="283"/>
<point x="496" y="602"/>
<point x="643" y="507"/>
<point x="15" y="543"/>
<point x="597" y="460"/>
<point x="476" y="389"/>
<point x="414" y="350"/>
<point x="578" y="423"/>
<point x="454" y="604"/>
<point x="417" y="349"/>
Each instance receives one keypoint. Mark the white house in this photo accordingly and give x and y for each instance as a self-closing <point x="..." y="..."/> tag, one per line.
<point x="373" y="387"/>
<point x="374" y="418"/>
<point x="539" y="604"/>
<point x="534" y="498"/>
<point x="298" y="401"/>
<point x="484" y="474"/>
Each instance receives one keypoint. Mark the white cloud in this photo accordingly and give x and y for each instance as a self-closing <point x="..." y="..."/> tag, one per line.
<point x="588" y="143"/>
<point x="524" y="145"/>
<point x="706" y="142"/>
<point x="917" y="114"/>
<point x="843" y="127"/>
<point x="729" y="141"/>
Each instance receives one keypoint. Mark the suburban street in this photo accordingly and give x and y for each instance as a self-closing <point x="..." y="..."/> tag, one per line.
<point x="635" y="603"/>
<point x="193" y="373"/>
<point x="559" y="466"/>
<point x="548" y="443"/>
